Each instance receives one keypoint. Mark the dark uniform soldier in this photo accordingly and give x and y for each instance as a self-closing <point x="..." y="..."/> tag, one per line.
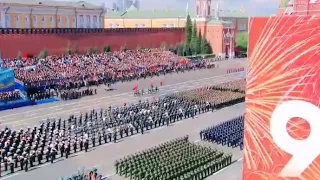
<point x="99" y="138"/>
<point x="81" y="144"/>
<point x="114" y="136"/>
<point x="86" y="145"/>
<point x="62" y="148"/>
<point x="93" y="139"/>
<point x="105" y="138"/>
<point x="142" y="127"/>
<point x="21" y="160"/>
<point x="67" y="149"/>
<point x="74" y="144"/>
<point x="52" y="155"/>
<point x="47" y="153"/>
<point x="39" y="157"/>
<point x="11" y="161"/>
<point x="26" y="163"/>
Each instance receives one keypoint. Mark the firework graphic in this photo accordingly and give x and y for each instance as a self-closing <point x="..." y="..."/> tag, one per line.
<point x="284" y="65"/>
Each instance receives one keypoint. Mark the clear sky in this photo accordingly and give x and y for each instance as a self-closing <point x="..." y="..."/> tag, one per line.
<point x="265" y="7"/>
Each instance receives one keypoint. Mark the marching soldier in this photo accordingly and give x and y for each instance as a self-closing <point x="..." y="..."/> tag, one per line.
<point x="99" y="139"/>
<point x="26" y="163"/>
<point x="86" y="145"/>
<point x="21" y="160"/>
<point x="114" y="136"/>
<point x="81" y="144"/>
<point x="74" y="144"/>
<point x="11" y="161"/>
<point x="39" y="157"/>
<point x="93" y="139"/>
<point x="67" y="149"/>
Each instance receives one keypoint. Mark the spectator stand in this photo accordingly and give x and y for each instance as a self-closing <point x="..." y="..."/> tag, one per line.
<point x="12" y="91"/>
<point x="228" y="133"/>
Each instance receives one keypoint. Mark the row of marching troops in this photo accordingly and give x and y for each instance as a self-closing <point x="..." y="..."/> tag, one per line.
<point x="57" y="138"/>
<point x="176" y="159"/>
<point x="76" y="93"/>
<point x="228" y="133"/>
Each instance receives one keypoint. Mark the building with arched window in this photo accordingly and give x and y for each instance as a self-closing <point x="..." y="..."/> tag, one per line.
<point x="299" y="7"/>
<point x="219" y="26"/>
<point x="50" y="14"/>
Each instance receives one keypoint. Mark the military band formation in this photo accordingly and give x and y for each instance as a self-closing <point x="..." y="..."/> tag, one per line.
<point x="54" y="139"/>
<point x="178" y="159"/>
<point x="228" y="133"/>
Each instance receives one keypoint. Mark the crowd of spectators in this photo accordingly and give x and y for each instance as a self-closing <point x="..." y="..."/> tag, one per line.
<point x="53" y="76"/>
<point x="9" y="96"/>
<point x="81" y="70"/>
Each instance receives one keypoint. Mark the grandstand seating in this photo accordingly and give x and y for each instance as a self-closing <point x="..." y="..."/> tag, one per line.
<point x="228" y="133"/>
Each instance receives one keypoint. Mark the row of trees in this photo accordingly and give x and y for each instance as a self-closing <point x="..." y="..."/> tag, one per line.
<point x="195" y="43"/>
<point x="242" y="41"/>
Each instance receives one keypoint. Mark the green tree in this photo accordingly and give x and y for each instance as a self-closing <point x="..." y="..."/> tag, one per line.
<point x="124" y="48"/>
<point x="198" y="44"/>
<point x="242" y="41"/>
<point x="194" y="38"/>
<point x="205" y="46"/>
<point x="107" y="48"/>
<point x="69" y="49"/>
<point x="164" y="45"/>
<point x="43" y="54"/>
<point x="188" y="31"/>
<point x="187" y="50"/>
<point x="180" y="49"/>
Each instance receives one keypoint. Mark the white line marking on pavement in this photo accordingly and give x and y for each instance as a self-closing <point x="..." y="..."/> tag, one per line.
<point x="43" y="165"/>
<point x="156" y="129"/>
<point x="135" y="135"/>
<point x="32" y="114"/>
<point x="10" y="176"/>
<point x="197" y="141"/>
<point x="109" y="175"/>
<point x="226" y="167"/>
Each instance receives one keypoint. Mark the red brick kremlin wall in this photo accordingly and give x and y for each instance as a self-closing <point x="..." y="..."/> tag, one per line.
<point x="56" y="41"/>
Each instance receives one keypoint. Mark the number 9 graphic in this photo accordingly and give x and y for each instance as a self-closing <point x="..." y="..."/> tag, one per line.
<point x="303" y="151"/>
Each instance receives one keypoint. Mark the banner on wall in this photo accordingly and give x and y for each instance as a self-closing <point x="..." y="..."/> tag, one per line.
<point x="282" y="116"/>
<point x="6" y="80"/>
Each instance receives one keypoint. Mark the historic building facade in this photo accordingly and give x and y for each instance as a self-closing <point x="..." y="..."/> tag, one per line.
<point x="133" y="18"/>
<point x="299" y="7"/>
<point x="220" y="34"/>
<point x="50" y="14"/>
<point x="219" y="26"/>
